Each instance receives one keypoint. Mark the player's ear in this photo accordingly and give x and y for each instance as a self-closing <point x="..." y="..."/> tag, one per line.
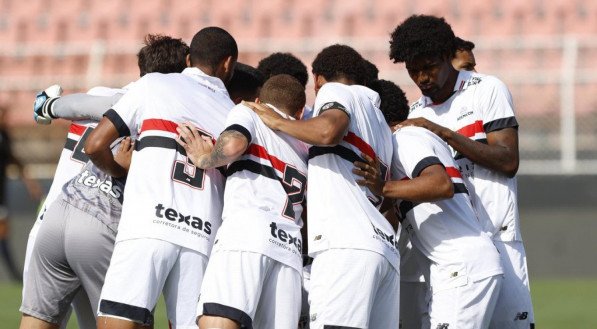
<point x="188" y="60"/>
<point x="319" y="81"/>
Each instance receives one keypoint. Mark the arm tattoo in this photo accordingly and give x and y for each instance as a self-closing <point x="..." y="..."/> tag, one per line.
<point x="218" y="157"/>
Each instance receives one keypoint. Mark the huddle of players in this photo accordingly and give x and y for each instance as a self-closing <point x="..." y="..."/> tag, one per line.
<point x="190" y="140"/>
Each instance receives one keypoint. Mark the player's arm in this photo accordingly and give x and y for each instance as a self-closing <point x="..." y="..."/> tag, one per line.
<point x="431" y="184"/>
<point x="326" y="129"/>
<point x="83" y="106"/>
<point x="499" y="154"/>
<point x="204" y="154"/>
<point x="97" y="148"/>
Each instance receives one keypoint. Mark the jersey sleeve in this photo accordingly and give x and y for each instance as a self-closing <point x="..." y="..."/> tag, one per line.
<point x="83" y="106"/>
<point x="125" y="113"/>
<point x="415" y="153"/>
<point x="240" y="119"/>
<point x="495" y="104"/>
<point x="332" y="97"/>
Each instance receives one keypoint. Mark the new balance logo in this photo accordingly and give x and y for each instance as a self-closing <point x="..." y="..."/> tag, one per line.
<point x="175" y="216"/>
<point x="521" y="316"/>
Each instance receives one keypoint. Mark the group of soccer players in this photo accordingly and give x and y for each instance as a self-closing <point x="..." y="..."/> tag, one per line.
<point x="411" y="212"/>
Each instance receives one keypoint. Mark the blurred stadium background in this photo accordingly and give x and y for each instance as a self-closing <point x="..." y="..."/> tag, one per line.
<point x="545" y="50"/>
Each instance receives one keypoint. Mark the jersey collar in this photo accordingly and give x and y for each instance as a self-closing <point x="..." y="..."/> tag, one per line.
<point x="208" y="80"/>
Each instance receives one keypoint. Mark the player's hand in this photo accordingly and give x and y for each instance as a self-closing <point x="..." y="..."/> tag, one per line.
<point x="371" y="173"/>
<point x="194" y="144"/>
<point x="125" y="153"/>
<point x="43" y="104"/>
<point x="424" y="123"/>
<point x="270" y="117"/>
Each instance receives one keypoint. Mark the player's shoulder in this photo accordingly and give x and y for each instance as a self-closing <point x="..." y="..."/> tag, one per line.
<point x="477" y="80"/>
<point x="105" y="91"/>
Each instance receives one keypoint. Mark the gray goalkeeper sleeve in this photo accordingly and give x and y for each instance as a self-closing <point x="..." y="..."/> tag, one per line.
<point x="83" y="106"/>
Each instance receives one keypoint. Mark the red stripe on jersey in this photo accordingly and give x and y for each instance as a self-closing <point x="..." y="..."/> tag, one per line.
<point x="260" y="152"/>
<point x="159" y="124"/>
<point x="76" y="129"/>
<point x="356" y="141"/>
<point x="472" y="129"/>
<point x="453" y="172"/>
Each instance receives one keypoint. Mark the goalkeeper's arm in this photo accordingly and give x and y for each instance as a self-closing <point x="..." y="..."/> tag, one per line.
<point x="82" y="106"/>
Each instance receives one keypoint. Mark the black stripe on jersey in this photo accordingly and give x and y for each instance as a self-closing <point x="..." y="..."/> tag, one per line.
<point x="460" y="188"/>
<point x="498" y="124"/>
<point x="240" y="129"/>
<point x="343" y="152"/>
<point x="426" y="162"/>
<point x="253" y="167"/>
<point x="167" y="143"/>
<point x="332" y="106"/>
<point x="70" y="144"/>
<point x="121" y="127"/>
<point x="234" y="314"/>
<point x="459" y="155"/>
<point x="131" y="312"/>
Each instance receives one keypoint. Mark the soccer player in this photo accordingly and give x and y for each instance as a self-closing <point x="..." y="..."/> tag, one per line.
<point x="79" y="235"/>
<point x="474" y="114"/>
<point x="253" y="279"/>
<point x="355" y="272"/>
<point x="245" y="83"/>
<point x="464" y="59"/>
<point x="172" y="209"/>
<point x="433" y="204"/>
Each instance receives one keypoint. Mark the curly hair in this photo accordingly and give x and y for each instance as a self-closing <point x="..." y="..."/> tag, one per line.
<point x="462" y="44"/>
<point x="371" y="71"/>
<point x="422" y="35"/>
<point x="340" y="61"/>
<point x="245" y="82"/>
<point x="162" y="54"/>
<point x="284" y="63"/>
<point x="394" y="104"/>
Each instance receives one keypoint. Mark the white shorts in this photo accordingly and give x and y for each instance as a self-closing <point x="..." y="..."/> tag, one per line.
<point x="466" y="307"/>
<point x="304" y="318"/>
<point x="251" y="289"/>
<point x="414" y="305"/>
<point x="140" y="270"/>
<point x="515" y="308"/>
<point x="353" y="288"/>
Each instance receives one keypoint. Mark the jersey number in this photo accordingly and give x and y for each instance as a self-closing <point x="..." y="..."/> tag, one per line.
<point x="294" y="183"/>
<point x="186" y="173"/>
<point x="78" y="152"/>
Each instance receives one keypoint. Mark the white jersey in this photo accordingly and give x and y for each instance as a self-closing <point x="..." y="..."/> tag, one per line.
<point x="447" y="231"/>
<point x="167" y="197"/>
<point x="341" y="213"/>
<point x="73" y="158"/>
<point x="265" y="190"/>
<point x="480" y="104"/>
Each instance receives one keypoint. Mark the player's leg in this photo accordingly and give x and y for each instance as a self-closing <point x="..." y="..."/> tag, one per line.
<point x="386" y="304"/>
<point x="281" y="297"/>
<point x="50" y="283"/>
<point x="342" y="290"/>
<point x="88" y="244"/>
<point x="468" y="306"/>
<point x="231" y="289"/>
<point x="182" y="287"/>
<point x="83" y="311"/>
<point x="515" y="307"/>
<point x="137" y="273"/>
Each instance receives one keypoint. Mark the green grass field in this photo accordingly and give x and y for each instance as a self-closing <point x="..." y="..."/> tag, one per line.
<point x="559" y="304"/>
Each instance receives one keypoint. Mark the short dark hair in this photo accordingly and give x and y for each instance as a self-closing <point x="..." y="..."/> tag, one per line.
<point x="394" y="104"/>
<point x="284" y="63"/>
<point x="284" y="92"/>
<point x="339" y="61"/>
<point x="422" y="35"/>
<point x="162" y="54"/>
<point x="211" y="45"/>
<point x="371" y="71"/>
<point x="245" y="82"/>
<point x="462" y="44"/>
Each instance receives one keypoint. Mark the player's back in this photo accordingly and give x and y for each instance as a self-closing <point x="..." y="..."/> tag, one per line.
<point x="167" y="197"/>
<point x="341" y="213"/>
<point x="265" y="192"/>
<point x="446" y="231"/>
